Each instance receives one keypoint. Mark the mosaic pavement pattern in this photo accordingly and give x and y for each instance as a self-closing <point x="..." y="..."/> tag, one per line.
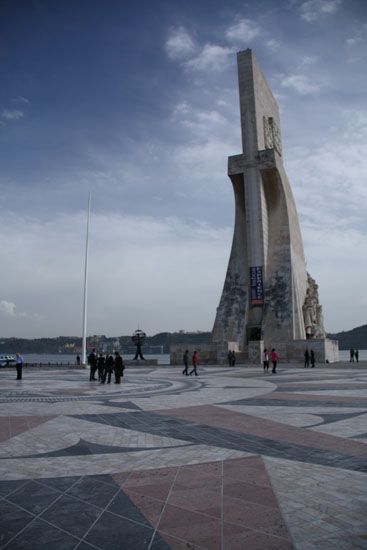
<point x="232" y="459"/>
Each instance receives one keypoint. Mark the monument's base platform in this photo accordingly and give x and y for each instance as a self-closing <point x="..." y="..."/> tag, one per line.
<point x="208" y="353"/>
<point x="325" y="350"/>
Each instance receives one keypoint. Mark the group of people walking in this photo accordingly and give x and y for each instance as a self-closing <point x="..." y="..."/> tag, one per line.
<point x="309" y="358"/>
<point x="231" y="361"/>
<point x="194" y="360"/>
<point x="104" y="366"/>
<point x="354" y="355"/>
<point x="274" y="357"/>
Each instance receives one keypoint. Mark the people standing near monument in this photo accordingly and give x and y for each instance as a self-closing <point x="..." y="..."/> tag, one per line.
<point x="312" y="359"/>
<point x="185" y="360"/>
<point x="231" y="358"/>
<point x="92" y="362"/>
<point x="307" y="358"/>
<point x="100" y="365"/>
<point x="119" y="367"/>
<point x="266" y="360"/>
<point x="356" y="355"/>
<point x="109" y="364"/>
<point x="351" y="353"/>
<point x="195" y="362"/>
<point x="274" y="360"/>
<point x="19" y="365"/>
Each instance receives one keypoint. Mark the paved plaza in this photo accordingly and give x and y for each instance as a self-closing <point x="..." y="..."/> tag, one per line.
<point x="232" y="459"/>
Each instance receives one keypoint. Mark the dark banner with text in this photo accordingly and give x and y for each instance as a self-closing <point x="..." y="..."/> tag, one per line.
<point x="256" y="285"/>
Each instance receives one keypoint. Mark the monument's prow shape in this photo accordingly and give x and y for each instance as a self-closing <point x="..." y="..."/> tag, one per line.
<point x="268" y="299"/>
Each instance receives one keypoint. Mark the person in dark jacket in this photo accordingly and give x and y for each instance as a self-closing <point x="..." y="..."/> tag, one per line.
<point x="100" y="365"/>
<point x="312" y="358"/>
<point x="92" y="362"/>
<point x="19" y="365"/>
<point x="109" y="364"/>
<point x="307" y="359"/>
<point x="119" y="367"/>
<point x="185" y="360"/>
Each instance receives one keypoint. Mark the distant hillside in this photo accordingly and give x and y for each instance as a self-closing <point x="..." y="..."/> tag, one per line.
<point x="73" y="344"/>
<point x="355" y="338"/>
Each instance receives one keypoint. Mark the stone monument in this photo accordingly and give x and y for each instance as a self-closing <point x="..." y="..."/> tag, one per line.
<point x="138" y="338"/>
<point x="268" y="298"/>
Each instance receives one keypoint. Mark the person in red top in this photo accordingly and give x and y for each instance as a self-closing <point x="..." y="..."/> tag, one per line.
<point x="274" y="360"/>
<point x="195" y="362"/>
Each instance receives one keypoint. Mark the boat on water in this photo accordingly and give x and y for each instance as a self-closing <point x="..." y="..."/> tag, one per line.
<point x="6" y="360"/>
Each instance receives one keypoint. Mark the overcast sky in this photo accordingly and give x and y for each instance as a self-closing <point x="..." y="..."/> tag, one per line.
<point x="138" y="103"/>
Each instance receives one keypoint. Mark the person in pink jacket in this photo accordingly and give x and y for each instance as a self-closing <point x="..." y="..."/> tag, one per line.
<point x="195" y="362"/>
<point x="274" y="360"/>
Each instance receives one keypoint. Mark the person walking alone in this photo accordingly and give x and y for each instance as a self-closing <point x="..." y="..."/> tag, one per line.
<point x="312" y="358"/>
<point x="307" y="358"/>
<point x="185" y="360"/>
<point x="274" y="360"/>
<point x="195" y="362"/>
<point x="19" y="365"/>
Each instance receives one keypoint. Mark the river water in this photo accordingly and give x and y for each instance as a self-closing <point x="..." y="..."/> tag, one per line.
<point x="163" y="359"/>
<point x="67" y="358"/>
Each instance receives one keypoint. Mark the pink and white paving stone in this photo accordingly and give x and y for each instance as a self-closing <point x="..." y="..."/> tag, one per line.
<point x="233" y="459"/>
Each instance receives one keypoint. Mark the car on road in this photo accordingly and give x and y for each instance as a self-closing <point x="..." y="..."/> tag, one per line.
<point x="6" y="360"/>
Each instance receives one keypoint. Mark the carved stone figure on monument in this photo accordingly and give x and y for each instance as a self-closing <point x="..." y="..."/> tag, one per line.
<point x="312" y="311"/>
<point x="319" y="328"/>
<point x="309" y="315"/>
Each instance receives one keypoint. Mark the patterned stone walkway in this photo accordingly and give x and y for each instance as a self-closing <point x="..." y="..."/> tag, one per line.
<point x="232" y="459"/>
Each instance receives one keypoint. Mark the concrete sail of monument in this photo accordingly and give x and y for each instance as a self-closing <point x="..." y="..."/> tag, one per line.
<point x="268" y="296"/>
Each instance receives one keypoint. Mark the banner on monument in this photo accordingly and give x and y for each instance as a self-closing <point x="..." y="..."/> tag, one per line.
<point x="256" y="286"/>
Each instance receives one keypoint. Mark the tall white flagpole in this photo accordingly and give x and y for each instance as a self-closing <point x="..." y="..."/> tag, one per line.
<point x="84" y="346"/>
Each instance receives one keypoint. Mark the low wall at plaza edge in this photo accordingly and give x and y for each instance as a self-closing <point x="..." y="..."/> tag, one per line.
<point x="325" y="350"/>
<point x="207" y="353"/>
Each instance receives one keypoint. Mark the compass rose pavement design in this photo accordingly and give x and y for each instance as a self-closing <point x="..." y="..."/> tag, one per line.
<point x="232" y="459"/>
